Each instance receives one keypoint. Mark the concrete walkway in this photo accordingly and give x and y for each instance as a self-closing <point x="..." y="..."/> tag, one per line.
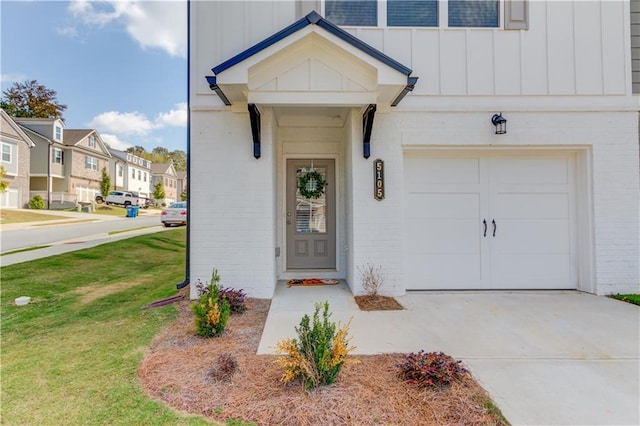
<point x="546" y="358"/>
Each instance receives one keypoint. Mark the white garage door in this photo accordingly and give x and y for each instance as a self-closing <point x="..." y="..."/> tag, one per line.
<point x="490" y="222"/>
<point x="10" y="198"/>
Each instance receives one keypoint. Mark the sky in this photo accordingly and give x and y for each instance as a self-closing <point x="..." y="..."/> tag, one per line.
<point x="119" y="66"/>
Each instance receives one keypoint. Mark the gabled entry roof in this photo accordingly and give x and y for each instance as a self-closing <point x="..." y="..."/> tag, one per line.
<point x="312" y="62"/>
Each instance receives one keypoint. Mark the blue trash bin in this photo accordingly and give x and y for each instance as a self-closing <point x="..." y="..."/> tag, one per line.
<point x="130" y="211"/>
<point x="135" y="211"/>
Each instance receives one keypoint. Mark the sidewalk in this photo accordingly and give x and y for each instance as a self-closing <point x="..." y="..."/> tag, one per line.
<point x="67" y="217"/>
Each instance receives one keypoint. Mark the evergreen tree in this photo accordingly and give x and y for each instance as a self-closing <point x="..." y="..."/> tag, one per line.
<point x="105" y="183"/>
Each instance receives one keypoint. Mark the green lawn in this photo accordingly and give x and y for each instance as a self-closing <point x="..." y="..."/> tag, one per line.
<point x="18" y="216"/>
<point x="110" y="210"/>
<point x="630" y="298"/>
<point x="70" y="357"/>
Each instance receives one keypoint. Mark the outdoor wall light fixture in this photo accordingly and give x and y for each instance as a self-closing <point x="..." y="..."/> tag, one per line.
<point x="500" y="122"/>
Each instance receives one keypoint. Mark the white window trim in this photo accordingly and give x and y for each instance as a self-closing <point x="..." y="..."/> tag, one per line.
<point x="55" y="150"/>
<point x="443" y="17"/>
<point x="90" y="161"/>
<point x="2" y="153"/>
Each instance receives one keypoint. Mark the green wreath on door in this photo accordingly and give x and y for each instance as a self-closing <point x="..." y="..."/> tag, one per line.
<point x="311" y="185"/>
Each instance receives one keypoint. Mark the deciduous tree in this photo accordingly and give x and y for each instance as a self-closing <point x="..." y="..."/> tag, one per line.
<point x="31" y="99"/>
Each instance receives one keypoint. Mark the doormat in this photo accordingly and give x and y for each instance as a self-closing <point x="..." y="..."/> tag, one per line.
<point x="311" y="282"/>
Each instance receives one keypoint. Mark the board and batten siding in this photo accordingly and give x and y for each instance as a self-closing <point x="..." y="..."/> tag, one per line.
<point x="570" y="48"/>
<point x="635" y="45"/>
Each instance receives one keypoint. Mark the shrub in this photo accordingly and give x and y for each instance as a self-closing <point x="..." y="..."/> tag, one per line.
<point x="430" y="369"/>
<point x="235" y="297"/>
<point x="318" y="354"/>
<point x="211" y="311"/>
<point x="225" y="368"/>
<point x="36" y="202"/>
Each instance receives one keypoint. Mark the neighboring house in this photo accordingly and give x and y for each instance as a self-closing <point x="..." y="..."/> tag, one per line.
<point x="130" y="173"/>
<point x="47" y="176"/>
<point x="15" y="157"/>
<point x="422" y="178"/>
<point x="182" y="183"/>
<point x="86" y="155"/>
<point x="165" y="173"/>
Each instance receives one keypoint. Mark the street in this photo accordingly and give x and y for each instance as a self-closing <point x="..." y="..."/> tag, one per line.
<point x="76" y="231"/>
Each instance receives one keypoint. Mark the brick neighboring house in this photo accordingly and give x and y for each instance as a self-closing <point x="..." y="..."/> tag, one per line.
<point x="130" y="172"/>
<point x="47" y="176"/>
<point x="182" y="183"/>
<point x="88" y="155"/>
<point x="15" y="157"/>
<point x="165" y="173"/>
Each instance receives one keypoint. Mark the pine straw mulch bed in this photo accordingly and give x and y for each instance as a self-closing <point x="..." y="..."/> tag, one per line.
<point x="378" y="303"/>
<point x="177" y="367"/>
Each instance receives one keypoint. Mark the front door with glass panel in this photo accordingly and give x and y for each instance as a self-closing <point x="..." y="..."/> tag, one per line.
<point x="310" y="222"/>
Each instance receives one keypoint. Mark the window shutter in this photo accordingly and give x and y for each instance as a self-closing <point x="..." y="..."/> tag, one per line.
<point x="516" y="14"/>
<point x="304" y="7"/>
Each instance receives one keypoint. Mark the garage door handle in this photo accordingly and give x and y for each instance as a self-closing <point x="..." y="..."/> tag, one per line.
<point x="484" y="222"/>
<point x="494" y="227"/>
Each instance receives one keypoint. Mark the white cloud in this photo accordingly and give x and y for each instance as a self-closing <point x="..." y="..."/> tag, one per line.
<point x="175" y="118"/>
<point x="12" y="78"/>
<point x="67" y="31"/>
<point x="122" y="123"/>
<point x="157" y="24"/>
<point x="114" y="142"/>
<point x="116" y="124"/>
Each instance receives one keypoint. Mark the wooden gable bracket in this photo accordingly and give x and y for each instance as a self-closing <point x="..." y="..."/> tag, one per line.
<point x="254" y="116"/>
<point x="367" y="125"/>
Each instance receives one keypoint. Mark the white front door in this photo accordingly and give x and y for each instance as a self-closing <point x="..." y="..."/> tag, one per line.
<point x="482" y="222"/>
<point x="311" y="221"/>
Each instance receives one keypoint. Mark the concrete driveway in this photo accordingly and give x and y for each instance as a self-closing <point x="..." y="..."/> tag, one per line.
<point x="546" y="358"/>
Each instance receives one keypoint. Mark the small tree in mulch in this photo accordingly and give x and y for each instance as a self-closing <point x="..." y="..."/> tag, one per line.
<point x="318" y="354"/>
<point x="372" y="280"/>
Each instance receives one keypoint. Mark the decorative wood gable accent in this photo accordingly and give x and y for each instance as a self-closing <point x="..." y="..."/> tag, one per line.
<point x="311" y="62"/>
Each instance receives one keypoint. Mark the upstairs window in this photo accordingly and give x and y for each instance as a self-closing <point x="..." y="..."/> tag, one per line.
<point x="6" y="153"/>
<point x="473" y="13"/>
<point x="92" y="141"/>
<point x="58" y="133"/>
<point x="91" y="163"/>
<point x="414" y="13"/>
<point x="352" y="12"/>
<point x="58" y="156"/>
<point x="133" y="174"/>
<point x="120" y="171"/>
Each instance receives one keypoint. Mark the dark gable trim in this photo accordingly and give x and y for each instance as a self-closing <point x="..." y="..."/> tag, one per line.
<point x="315" y="19"/>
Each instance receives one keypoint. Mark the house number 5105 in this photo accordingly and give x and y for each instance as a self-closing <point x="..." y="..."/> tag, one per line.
<point x="378" y="179"/>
